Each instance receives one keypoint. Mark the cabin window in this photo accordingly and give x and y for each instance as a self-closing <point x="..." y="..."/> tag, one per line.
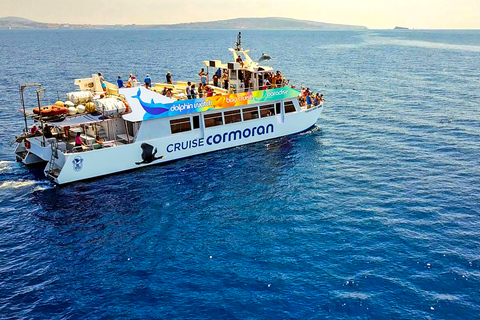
<point x="180" y="125"/>
<point x="267" y="111"/>
<point x="250" y="113"/>
<point x="213" y="119"/>
<point x="289" y="107"/>
<point x="196" y="122"/>
<point x="278" y="107"/>
<point x="232" y="116"/>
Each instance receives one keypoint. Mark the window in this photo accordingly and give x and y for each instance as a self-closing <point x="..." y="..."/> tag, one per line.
<point x="250" y="113"/>
<point x="278" y="107"/>
<point x="196" y="122"/>
<point x="180" y="125"/>
<point x="232" y="116"/>
<point x="289" y="107"/>
<point x="213" y="119"/>
<point x="267" y="111"/>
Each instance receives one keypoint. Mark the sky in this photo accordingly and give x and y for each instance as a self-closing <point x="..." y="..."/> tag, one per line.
<point x="375" y="14"/>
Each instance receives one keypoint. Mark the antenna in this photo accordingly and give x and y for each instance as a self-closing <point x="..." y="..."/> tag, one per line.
<point x="238" y="44"/>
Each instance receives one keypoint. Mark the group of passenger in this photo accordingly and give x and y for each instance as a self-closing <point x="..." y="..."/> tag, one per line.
<point x="308" y="98"/>
<point x="276" y="80"/>
<point x="133" y="82"/>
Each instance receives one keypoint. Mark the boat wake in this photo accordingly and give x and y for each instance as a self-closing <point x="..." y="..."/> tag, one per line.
<point x="16" y="184"/>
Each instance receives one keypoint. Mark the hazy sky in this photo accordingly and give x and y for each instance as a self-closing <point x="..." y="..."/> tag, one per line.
<point x="375" y="14"/>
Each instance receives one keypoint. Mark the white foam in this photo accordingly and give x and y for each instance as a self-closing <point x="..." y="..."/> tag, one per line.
<point x="16" y="184"/>
<point x="421" y="44"/>
<point x="6" y="165"/>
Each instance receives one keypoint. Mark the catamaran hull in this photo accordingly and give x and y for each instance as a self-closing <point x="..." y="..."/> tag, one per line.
<point x="95" y="163"/>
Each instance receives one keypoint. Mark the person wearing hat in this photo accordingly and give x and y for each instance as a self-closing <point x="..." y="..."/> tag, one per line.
<point x="148" y="81"/>
<point x="169" y="77"/>
<point x="129" y="82"/>
<point x="134" y="82"/>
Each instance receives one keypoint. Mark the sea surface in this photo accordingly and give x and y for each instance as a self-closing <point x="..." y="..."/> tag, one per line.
<point x="372" y="214"/>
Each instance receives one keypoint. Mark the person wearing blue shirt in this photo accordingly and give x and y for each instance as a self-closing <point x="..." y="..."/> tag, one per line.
<point x="148" y="81"/>
<point x="309" y="100"/>
<point x="120" y="82"/>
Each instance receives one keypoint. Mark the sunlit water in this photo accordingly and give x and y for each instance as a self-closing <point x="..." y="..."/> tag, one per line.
<point x="373" y="214"/>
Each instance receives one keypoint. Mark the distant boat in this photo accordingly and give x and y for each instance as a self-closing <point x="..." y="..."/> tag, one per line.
<point x="9" y="28"/>
<point x="400" y="28"/>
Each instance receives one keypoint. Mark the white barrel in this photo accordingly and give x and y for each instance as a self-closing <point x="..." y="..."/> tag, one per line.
<point x="69" y="104"/>
<point x="72" y="111"/>
<point x="80" y="108"/>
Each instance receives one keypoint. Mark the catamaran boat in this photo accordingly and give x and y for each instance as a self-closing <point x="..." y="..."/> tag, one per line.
<point x="126" y="128"/>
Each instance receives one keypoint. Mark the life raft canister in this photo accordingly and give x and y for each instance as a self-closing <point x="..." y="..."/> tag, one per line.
<point x="27" y="144"/>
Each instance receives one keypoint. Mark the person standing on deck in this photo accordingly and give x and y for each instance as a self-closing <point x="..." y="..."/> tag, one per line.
<point x="169" y="77"/>
<point x="225" y="80"/>
<point x="203" y="76"/>
<point x="188" y="90"/>
<point x="102" y="81"/>
<point x="148" y="81"/>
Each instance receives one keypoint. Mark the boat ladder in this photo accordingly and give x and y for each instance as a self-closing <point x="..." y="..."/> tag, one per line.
<point x="52" y="171"/>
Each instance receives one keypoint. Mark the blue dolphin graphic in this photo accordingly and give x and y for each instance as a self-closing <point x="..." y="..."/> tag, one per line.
<point x="152" y="107"/>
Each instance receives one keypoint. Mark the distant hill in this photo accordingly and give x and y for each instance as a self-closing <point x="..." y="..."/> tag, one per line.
<point x="239" y="23"/>
<point x="265" y="24"/>
<point x="400" y="28"/>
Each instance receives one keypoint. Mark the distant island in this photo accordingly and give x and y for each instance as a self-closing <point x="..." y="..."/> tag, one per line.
<point x="236" y="24"/>
<point x="400" y="28"/>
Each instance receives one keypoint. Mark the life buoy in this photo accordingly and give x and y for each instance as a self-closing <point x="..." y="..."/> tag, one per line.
<point x="27" y="144"/>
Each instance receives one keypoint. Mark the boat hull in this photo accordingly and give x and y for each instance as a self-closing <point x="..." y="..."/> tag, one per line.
<point x="101" y="162"/>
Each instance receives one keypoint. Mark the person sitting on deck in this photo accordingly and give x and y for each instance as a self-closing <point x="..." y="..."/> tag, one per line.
<point x="120" y="82"/>
<point x="239" y="60"/>
<point x="78" y="141"/>
<point x="129" y="82"/>
<point x="208" y="91"/>
<point x="47" y="132"/>
<point x="164" y="91"/>
<point x="34" y="130"/>
<point x="134" y="82"/>
<point x="98" y="142"/>
<point x="169" y="93"/>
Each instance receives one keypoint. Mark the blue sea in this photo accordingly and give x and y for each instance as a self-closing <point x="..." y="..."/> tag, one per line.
<point x="372" y="214"/>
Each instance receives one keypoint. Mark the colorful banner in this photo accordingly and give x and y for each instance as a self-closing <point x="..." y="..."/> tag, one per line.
<point x="155" y="110"/>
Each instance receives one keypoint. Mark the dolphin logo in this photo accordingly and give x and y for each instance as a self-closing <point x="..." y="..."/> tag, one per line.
<point x="152" y="107"/>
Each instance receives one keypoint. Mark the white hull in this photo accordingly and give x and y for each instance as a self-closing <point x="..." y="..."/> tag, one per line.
<point x="90" y="164"/>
